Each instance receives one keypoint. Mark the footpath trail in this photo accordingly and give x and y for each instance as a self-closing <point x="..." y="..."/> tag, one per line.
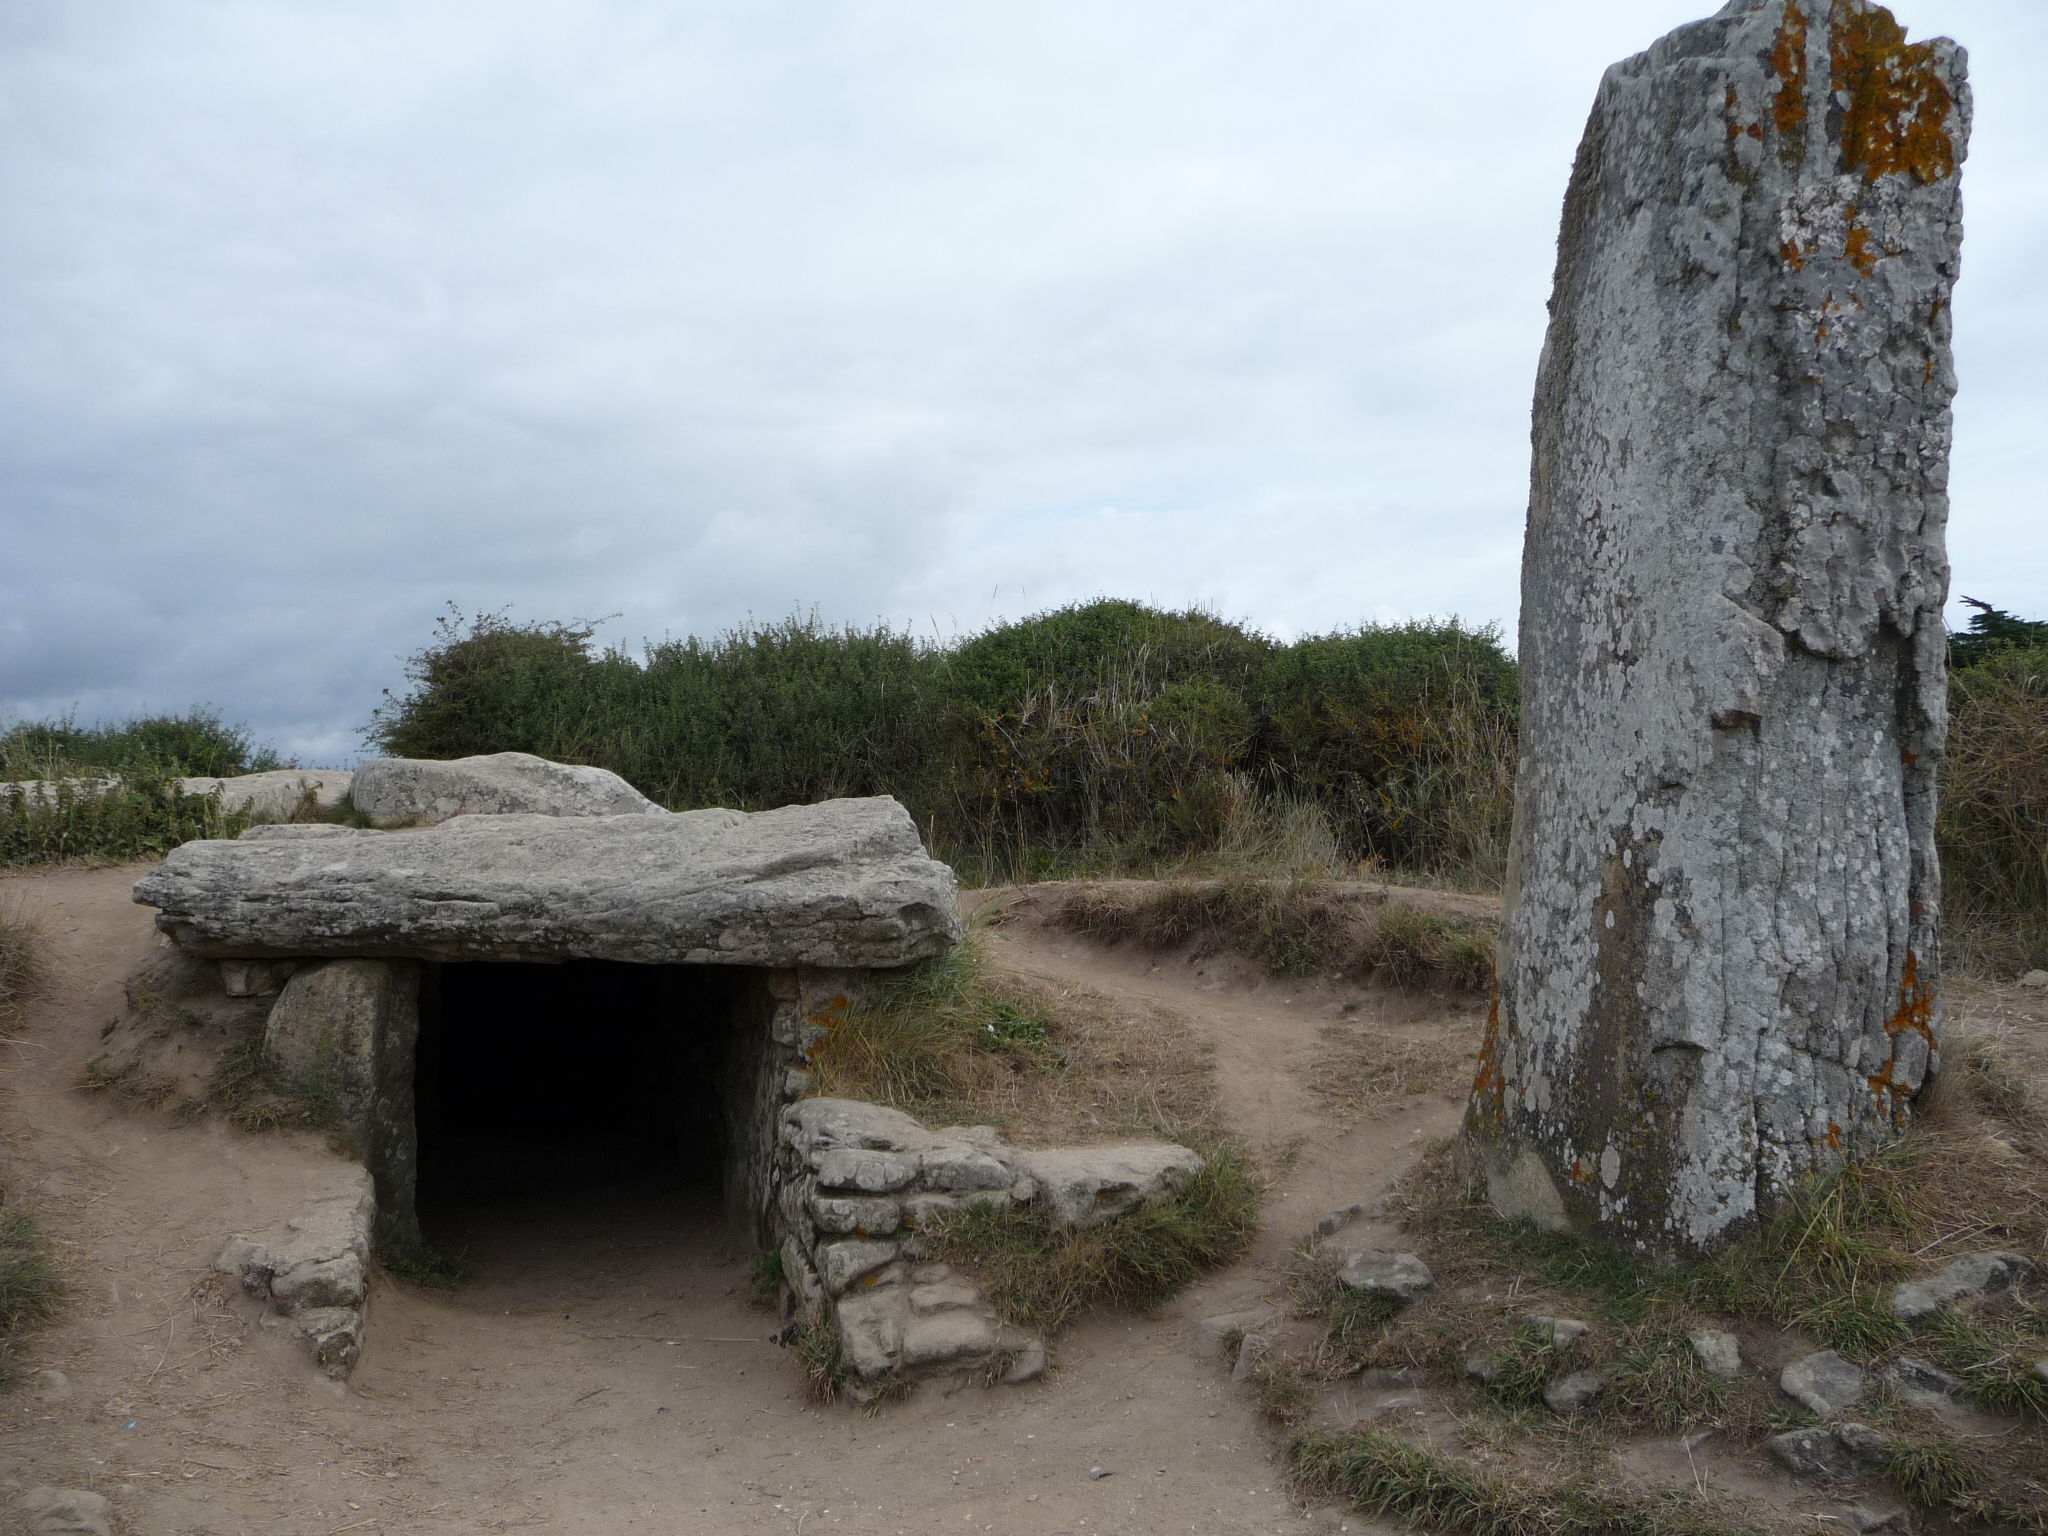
<point x="603" y="1370"/>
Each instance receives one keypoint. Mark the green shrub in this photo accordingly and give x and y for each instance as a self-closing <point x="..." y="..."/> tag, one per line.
<point x="1994" y="810"/>
<point x="143" y="817"/>
<point x="1406" y="734"/>
<point x="1104" y="735"/>
<point x="196" y="744"/>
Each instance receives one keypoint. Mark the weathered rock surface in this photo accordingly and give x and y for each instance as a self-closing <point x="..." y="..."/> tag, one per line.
<point x="1916" y="1378"/>
<point x="1718" y="959"/>
<point x="1570" y="1393"/>
<point x="842" y="884"/>
<point x="278" y="793"/>
<point x="408" y="790"/>
<point x="1974" y="1274"/>
<point x="1361" y="1266"/>
<point x="66" y="1512"/>
<point x="1824" y="1383"/>
<point x="312" y="1272"/>
<point x="346" y="1032"/>
<point x="858" y="1183"/>
<point x="1848" y="1450"/>
<point x="1563" y="1332"/>
<point x="1720" y="1352"/>
<point x="1087" y="1185"/>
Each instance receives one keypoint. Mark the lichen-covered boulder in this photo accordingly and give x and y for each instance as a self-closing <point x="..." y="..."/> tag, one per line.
<point x="410" y="790"/>
<point x="844" y="884"/>
<point x="1718" y="969"/>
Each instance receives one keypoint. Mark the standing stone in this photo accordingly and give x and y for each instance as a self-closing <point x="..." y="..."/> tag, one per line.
<point x="1717" y="974"/>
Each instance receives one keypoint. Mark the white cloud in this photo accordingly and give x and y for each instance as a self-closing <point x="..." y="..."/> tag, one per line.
<point x="322" y="315"/>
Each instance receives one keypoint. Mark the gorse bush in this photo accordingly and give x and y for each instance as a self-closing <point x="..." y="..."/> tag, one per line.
<point x="192" y="745"/>
<point x="144" y="816"/>
<point x="1097" y="736"/>
<point x="1994" y="808"/>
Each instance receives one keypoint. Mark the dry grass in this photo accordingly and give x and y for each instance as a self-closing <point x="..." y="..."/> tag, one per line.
<point x="1384" y="1476"/>
<point x="1298" y="927"/>
<point x="22" y="966"/>
<point x="1818" y="1274"/>
<point x="954" y="1041"/>
<point x="1041" y="1276"/>
<point x="1359" y="1070"/>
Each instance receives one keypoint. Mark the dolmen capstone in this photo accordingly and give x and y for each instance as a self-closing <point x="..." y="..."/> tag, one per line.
<point x="843" y="884"/>
<point x="521" y="860"/>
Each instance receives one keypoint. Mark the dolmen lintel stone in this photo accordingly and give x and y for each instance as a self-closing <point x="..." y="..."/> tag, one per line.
<point x="842" y="884"/>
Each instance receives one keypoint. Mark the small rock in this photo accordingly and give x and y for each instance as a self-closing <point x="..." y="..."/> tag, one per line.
<point x="871" y="1330"/>
<point x="1378" y="1269"/>
<point x="1974" y="1274"/>
<point x="1865" y="1445"/>
<point x="1564" y="1331"/>
<point x="1335" y="1221"/>
<point x="945" y="1337"/>
<point x="2035" y="979"/>
<point x="1916" y="1378"/>
<point x="864" y="1216"/>
<point x="52" y="1385"/>
<point x="1570" y="1393"/>
<point x="1484" y="1369"/>
<point x="1250" y="1352"/>
<point x="1867" y="1519"/>
<point x="1824" y="1453"/>
<point x="1097" y="1474"/>
<point x="843" y="1264"/>
<point x="2041" y="1369"/>
<point x="1825" y="1383"/>
<point x="66" y="1512"/>
<point x="1027" y="1364"/>
<point x="1215" y="1332"/>
<point x="1720" y="1353"/>
<point x="864" y="1171"/>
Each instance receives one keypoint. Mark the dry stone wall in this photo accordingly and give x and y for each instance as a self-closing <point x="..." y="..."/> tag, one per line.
<point x="1718" y="968"/>
<point x="860" y="1184"/>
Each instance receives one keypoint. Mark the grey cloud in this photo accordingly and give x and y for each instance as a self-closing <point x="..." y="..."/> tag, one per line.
<point x="317" y="317"/>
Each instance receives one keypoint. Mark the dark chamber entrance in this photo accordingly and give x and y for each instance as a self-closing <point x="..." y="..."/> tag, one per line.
<point x="553" y="1093"/>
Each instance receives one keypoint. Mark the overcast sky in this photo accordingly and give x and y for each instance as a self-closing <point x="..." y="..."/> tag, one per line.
<point x="318" y="314"/>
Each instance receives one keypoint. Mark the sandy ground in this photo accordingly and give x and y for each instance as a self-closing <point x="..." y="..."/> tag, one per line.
<point x="603" y="1370"/>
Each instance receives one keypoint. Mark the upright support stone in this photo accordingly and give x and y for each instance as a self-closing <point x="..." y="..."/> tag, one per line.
<point x="1718" y="971"/>
<point x="346" y="1033"/>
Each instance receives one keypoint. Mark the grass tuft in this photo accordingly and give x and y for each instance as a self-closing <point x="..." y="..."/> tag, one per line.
<point x="21" y="963"/>
<point x="30" y="1287"/>
<point x="1384" y="1476"/>
<point x="1042" y="1276"/>
<point x="1299" y="927"/>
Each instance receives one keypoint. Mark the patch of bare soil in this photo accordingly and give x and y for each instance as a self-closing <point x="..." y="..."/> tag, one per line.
<point x="602" y="1369"/>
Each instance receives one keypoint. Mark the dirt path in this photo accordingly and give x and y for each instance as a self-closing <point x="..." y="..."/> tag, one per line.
<point x="603" y="1371"/>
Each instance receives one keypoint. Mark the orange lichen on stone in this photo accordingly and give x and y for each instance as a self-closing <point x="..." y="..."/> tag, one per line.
<point x="1795" y="258"/>
<point x="1857" y="249"/>
<point x="1788" y="62"/>
<point x="1582" y="1171"/>
<point x="1489" y="1087"/>
<point x="1896" y="121"/>
<point x="1914" y="1016"/>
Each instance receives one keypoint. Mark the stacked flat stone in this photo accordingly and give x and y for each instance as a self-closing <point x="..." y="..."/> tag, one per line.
<point x="859" y="1182"/>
